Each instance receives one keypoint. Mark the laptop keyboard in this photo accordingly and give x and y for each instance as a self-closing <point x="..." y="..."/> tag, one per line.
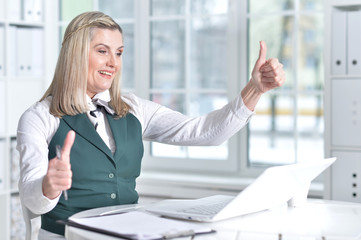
<point x="209" y="209"/>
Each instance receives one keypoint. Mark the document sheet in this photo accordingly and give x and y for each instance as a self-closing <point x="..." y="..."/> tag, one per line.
<point x="140" y="225"/>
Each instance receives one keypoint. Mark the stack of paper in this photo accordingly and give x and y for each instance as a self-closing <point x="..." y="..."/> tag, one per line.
<point x="139" y="225"/>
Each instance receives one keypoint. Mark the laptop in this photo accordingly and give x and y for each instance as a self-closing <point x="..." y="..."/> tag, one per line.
<point x="275" y="186"/>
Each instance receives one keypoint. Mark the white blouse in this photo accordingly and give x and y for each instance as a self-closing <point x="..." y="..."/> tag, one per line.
<point x="37" y="127"/>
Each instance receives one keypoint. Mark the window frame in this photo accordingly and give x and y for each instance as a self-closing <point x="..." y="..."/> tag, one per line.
<point x="238" y="145"/>
<point x="295" y="93"/>
<point x="237" y="164"/>
<point x="229" y="165"/>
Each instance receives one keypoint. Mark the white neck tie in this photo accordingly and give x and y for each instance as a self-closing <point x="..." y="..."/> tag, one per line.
<point x="94" y="116"/>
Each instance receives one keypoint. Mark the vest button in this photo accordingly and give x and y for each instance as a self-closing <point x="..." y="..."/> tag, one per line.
<point x="113" y="195"/>
<point x="111" y="175"/>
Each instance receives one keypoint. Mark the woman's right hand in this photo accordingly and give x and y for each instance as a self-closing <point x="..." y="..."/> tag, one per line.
<point x="59" y="174"/>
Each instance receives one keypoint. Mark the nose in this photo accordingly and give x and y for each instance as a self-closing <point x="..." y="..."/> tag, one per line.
<point x="112" y="61"/>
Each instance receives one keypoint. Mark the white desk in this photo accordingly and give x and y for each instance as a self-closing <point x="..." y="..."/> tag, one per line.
<point x="316" y="220"/>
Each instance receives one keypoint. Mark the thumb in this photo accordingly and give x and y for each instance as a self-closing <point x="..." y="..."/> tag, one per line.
<point x="262" y="54"/>
<point x="68" y="143"/>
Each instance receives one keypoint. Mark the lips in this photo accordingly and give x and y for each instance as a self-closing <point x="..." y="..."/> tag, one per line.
<point x="106" y="73"/>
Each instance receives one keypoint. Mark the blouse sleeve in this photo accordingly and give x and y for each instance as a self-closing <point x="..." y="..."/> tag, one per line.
<point x="164" y="125"/>
<point x="36" y="126"/>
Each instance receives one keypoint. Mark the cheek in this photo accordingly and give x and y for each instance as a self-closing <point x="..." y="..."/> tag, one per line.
<point x="92" y="66"/>
<point x="95" y="62"/>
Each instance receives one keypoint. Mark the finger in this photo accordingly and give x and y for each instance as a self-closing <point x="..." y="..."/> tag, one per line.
<point x="68" y="143"/>
<point x="270" y="65"/>
<point x="60" y="165"/>
<point x="262" y="54"/>
<point x="59" y="183"/>
<point x="60" y="170"/>
<point x="272" y="79"/>
<point x="269" y="74"/>
<point x="60" y="174"/>
<point x="273" y="73"/>
<point x="274" y="82"/>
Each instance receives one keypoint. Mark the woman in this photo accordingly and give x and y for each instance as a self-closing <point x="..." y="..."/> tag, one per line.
<point x="84" y="100"/>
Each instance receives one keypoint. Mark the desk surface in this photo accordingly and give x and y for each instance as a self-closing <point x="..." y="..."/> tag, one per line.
<point x="315" y="220"/>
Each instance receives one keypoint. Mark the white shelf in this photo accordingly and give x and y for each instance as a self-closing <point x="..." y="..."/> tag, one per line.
<point x="26" y="24"/>
<point x="345" y="76"/>
<point x="19" y="92"/>
<point x="26" y="79"/>
<point x="341" y="102"/>
<point x="346" y="148"/>
<point x="14" y="191"/>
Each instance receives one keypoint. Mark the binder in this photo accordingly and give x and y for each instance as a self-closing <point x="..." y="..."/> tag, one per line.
<point x="2" y="12"/>
<point x="2" y="110"/>
<point x="37" y="11"/>
<point x="27" y="10"/>
<point x="32" y="10"/>
<point x="345" y="112"/>
<point x="338" y="42"/>
<point x="138" y="225"/>
<point x="13" y="50"/>
<point x="2" y="164"/>
<point x="348" y="163"/>
<point x="14" y="10"/>
<point x="36" y="52"/>
<point x="353" y="42"/>
<point x="23" y="52"/>
<point x="2" y="51"/>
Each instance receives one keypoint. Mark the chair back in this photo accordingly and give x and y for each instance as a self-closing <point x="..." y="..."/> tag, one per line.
<point x="28" y="217"/>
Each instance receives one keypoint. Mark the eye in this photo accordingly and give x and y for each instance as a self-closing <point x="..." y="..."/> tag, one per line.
<point x="120" y="52"/>
<point x="101" y="51"/>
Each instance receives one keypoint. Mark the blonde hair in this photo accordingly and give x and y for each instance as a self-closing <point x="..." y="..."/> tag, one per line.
<point x="69" y="85"/>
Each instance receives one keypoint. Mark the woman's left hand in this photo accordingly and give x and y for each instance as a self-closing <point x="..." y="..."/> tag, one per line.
<point x="267" y="74"/>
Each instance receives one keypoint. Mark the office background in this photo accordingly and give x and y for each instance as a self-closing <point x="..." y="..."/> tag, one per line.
<point x="192" y="56"/>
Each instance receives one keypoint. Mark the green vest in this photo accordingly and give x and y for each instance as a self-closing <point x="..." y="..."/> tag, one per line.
<point x="99" y="178"/>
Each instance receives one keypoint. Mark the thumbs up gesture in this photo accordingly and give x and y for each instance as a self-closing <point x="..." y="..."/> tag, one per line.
<point x="59" y="174"/>
<point x="267" y="74"/>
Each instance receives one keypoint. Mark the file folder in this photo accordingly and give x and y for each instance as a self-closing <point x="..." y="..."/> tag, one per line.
<point x="36" y="53"/>
<point x="353" y="42"/>
<point x="345" y="112"/>
<point x="28" y="51"/>
<point x="32" y="10"/>
<point x="37" y="10"/>
<point x="2" y="166"/>
<point x="2" y="51"/>
<point x="12" y="68"/>
<point x="2" y="13"/>
<point x="14" y="10"/>
<point x="27" y="10"/>
<point x="342" y="179"/>
<point x="338" y="42"/>
<point x="2" y="109"/>
<point x="24" y="51"/>
<point x="138" y="225"/>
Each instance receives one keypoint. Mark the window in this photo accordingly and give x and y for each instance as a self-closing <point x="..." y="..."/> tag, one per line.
<point x="194" y="56"/>
<point x="122" y="13"/>
<point x="189" y="72"/>
<point x="289" y="124"/>
<point x="68" y="10"/>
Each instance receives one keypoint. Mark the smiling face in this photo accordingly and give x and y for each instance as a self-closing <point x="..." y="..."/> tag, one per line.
<point x="105" y="58"/>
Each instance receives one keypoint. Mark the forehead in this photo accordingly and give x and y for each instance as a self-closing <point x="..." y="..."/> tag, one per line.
<point x="106" y="36"/>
